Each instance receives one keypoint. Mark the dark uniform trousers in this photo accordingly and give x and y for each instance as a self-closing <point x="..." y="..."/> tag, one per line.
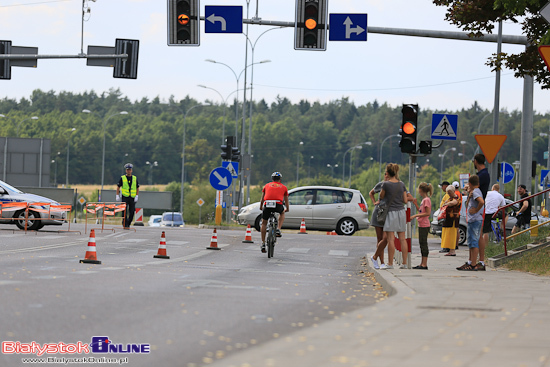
<point x="130" y="210"/>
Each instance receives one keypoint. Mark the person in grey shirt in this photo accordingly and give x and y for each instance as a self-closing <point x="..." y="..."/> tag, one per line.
<point x="395" y="194"/>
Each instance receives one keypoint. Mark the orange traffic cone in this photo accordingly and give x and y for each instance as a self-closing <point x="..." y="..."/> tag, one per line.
<point x="248" y="236"/>
<point x="90" y="257"/>
<point x="214" y="241"/>
<point x="303" y="227"/>
<point x="161" y="254"/>
<point x="333" y="233"/>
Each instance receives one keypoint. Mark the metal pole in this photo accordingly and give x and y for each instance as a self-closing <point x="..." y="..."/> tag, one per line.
<point x="496" y="108"/>
<point x="40" y="168"/>
<point x="526" y="152"/>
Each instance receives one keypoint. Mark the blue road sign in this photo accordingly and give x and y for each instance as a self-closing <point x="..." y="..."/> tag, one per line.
<point x="220" y="178"/>
<point x="507" y="173"/>
<point x="348" y="27"/>
<point x="223" y="19"/>
<point x="232" y="167"/>
<point x="444" y="127"/>
<point x="543" y="174"/>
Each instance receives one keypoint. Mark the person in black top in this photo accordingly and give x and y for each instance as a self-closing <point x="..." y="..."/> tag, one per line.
<point x="129" y="187"/>
<point x="523" y="215"/>
<point x="482" y="173"/>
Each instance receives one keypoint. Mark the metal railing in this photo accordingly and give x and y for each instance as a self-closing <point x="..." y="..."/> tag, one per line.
<point x="503" y="209"/>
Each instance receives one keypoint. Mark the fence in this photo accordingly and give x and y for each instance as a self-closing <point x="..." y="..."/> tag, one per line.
<point x="34" y="208"/>
<point x="503" y="209"/>
<point x="104" y="211"/>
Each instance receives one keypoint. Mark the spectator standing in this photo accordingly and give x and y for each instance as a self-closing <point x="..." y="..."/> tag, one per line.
<point x="458" y="195"/>
<point x="493" y="201"/>
<point x="395" y="194"/>
<point x="379" y="228"/>
<point x="423" y="217"/>
<point x="484" y="182"/>
<point x="445" y="198"/>
<point x="523" y="215"/>
<point x="474" y="205"/>
<point x="450" y="223"/>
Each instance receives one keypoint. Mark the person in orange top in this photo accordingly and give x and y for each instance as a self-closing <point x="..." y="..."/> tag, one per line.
<point x="273" y="193"/>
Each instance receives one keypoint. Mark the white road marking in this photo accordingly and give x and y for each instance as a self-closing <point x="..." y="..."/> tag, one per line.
<point x="299" y="250"/>
<point x="338" y="253"/>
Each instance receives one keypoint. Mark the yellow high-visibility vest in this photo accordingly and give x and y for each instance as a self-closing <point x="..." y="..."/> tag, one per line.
<point x="126" y="189"/>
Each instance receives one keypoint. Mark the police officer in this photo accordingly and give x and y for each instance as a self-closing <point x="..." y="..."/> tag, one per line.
<point x="129" y="186"/>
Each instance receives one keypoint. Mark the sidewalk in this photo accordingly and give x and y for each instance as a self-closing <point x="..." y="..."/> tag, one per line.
<point x="436" y="317"/>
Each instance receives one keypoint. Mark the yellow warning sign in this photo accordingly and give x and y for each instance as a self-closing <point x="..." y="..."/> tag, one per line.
<point x="490" y="145"/>
<point x="544" y="52"/>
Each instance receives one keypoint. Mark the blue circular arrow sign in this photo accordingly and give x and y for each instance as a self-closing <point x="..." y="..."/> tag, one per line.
<point x="507" y="172"/>
<point x="220" y="178"/>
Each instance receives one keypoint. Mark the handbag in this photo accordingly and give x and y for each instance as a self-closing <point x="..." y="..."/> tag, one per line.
<point x="382" y="213"/>
<point x="442" y="214"/>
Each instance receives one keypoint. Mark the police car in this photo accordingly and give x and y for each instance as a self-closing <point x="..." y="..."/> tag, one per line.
<point x="9" y="194"/>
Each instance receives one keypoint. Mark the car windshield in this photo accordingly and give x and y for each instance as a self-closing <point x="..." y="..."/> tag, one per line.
<point x="10" y="189"/>
<point x="172" y="217"/>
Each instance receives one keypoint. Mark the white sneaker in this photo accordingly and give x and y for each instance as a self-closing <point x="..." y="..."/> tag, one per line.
<point x="404" y="266"/>
<point x="385" y="267"/>
<point x="375" y="263"/>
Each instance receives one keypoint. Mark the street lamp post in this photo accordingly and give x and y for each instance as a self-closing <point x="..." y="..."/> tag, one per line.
<point x="548" y="158"/>
<point x="358" y="146"/>
<point x="151" y="165"/>
<point x="68" y="145"/>
<point x="309" y="169"/>
<point x="298" y="162"/>
<point x="332" y="168"/>
<point x="183" y="153"/>
<point x="350" y="160"/>
<point x="103" y="155"/>
<point x="380" y="161"/>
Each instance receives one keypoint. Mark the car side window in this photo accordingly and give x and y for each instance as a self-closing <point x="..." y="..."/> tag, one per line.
<point x="330" y="197"/>
<point x="302" y="197"/>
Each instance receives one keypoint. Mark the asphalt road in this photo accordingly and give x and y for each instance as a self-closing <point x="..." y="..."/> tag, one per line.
<point x="194" y="308"/>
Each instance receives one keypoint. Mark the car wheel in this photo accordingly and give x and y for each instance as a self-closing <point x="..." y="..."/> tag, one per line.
<point x="32" y="225"/>
<point x="346" y="227"/>
<point x="258" y="223"/>
<point x="461" y="235"/>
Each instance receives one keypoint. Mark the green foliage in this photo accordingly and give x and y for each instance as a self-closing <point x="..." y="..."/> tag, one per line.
<point x="480" y="16"/>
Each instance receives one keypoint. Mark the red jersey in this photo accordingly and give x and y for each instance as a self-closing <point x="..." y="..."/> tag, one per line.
<point x="275" y="191"/>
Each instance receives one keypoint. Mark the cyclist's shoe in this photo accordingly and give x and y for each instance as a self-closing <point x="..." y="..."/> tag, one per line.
<point x="278" y="233"/>
<point x="263" y="248"/>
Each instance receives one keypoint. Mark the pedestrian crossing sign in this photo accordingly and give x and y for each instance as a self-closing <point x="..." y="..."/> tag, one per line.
<point x="232" y="167"/>
<point x="444" y="127"/>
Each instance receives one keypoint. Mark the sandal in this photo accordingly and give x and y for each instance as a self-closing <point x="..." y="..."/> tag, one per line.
<point x="449" y="255"/>
<point x="466" y="267"/>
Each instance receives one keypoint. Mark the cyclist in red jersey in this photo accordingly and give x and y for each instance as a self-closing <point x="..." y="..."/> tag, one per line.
<point x="274" y="191"/>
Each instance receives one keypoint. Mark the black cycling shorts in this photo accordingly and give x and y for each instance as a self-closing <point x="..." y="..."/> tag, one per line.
<point x="522" y="221"/>
<point x="279" y="208"/>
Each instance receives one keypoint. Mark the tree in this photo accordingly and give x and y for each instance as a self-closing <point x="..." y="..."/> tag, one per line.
<point x="478" y="16"/>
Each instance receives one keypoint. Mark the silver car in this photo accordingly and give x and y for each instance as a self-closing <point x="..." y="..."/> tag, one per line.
<point x="172" y="219"/>
<point x="154" y="220"/>
<point x="324" y="208"/>
<point x="9" y="194"/>
<point x="435" y="227"/>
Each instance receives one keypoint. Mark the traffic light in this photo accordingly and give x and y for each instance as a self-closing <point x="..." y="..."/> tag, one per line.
<point x="310" y="30"/>
<point x="126" y="69"/>
<point x="183" y="23"/>
<point x="5" y="66"/>
<point x="408" y="128"/>
<point x="227" y="151"/>
<point x="425" y="147"/>
<point x="235" y="154"/>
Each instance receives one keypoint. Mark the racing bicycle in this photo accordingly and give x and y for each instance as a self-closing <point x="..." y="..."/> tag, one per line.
<point x="271" y="233"/>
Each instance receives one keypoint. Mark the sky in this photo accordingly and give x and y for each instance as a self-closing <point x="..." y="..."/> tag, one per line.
<point x="436" y="74"/>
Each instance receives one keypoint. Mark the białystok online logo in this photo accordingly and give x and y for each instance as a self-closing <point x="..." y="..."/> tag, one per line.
<point x="99" y="344"/>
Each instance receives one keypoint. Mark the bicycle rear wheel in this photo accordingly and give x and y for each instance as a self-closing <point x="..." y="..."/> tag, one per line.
<point x="271" y="245"/>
